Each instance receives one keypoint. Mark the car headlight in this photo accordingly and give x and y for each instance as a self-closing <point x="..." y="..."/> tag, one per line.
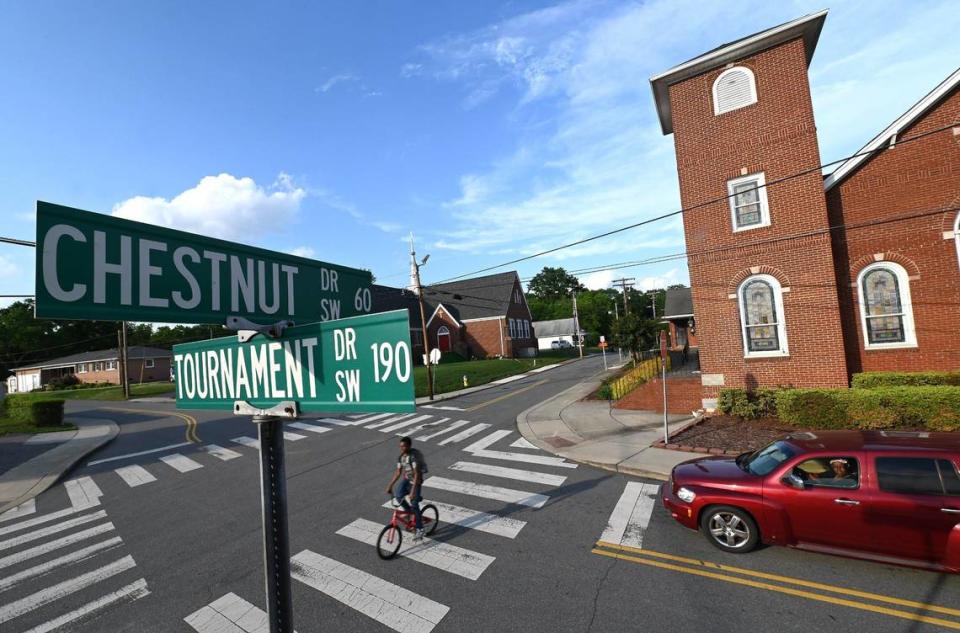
<point x="686" y="495"/>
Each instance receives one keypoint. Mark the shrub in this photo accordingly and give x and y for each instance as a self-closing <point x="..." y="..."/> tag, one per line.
<point x="68" y="381"/>
<point x="927" y="408"/>
<point x="760" y="403"/>
<point x="47" y="412"/>
<point x="874" y="379"/>
<point x="605" y="391"/>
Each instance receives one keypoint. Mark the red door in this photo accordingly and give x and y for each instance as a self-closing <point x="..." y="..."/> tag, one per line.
<point x="443" y="339"/>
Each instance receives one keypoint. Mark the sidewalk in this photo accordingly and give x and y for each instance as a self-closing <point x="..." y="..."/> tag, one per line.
<point x="591" y="432"/>
<point x="26" y="481"/>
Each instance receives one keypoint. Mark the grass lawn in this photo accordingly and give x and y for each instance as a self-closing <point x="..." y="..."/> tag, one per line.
<point x="110" y="393"/>
<point x="9" y="426"/>
<point x="449" y="376"/>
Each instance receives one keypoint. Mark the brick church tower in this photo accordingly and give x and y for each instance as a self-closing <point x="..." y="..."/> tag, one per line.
<point x="759" y="249"/>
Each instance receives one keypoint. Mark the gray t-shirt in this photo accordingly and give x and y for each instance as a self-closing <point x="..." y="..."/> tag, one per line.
<point x="411" y="460"/>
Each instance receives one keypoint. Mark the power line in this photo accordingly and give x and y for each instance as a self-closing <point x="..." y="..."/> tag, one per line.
<point x="683" y="210"/>
<point x="18" y="242"/>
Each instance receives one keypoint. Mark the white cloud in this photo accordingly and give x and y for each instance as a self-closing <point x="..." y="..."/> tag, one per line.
<point x="221" y="206"/>
<point x="8" y="269"/>
<point x="598" y="280"/>
<point x="303" y="251"/>
<point x="341" y="78"/>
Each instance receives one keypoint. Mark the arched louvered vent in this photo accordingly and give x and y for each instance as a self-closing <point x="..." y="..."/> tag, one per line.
<point x="733" y="89"/>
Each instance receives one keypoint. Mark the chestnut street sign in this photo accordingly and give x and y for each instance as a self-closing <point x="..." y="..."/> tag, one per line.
<point x="355" y="364"/>
<point x="96" y="266"/>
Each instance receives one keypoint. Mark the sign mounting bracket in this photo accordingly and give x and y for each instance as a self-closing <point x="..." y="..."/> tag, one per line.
<point x="247" y="329"/>
<point x="287" y="409"/>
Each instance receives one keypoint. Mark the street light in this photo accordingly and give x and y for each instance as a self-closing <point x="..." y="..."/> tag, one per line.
<point x="423" y="316"/>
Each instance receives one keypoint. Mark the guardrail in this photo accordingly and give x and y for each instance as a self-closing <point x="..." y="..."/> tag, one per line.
<point x="644" y="371"/>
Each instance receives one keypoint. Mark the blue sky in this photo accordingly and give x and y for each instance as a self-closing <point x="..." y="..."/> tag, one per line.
<point x="491" y="130"/>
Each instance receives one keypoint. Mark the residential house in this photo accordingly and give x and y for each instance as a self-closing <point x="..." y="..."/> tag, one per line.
<point x="800" y="279"/>
<point x="145" y="364"/>
<point x="555" y="330"/>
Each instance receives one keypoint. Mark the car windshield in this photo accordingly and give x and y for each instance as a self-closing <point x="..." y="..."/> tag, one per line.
<point x="763" y="461"/>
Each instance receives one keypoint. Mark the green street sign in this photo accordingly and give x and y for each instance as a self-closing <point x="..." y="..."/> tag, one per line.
<point x="95" y="266"/>
<point x="355" y="364"/>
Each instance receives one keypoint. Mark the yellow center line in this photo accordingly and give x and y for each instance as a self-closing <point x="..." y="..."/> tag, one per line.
<point x="786" y="579"/>
<point x="191" y="422"/>
<point x="905" y="615"/>
<point x="505" y="396"/>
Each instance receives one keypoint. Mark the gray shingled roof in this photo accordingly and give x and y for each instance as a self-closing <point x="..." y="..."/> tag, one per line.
<point x="475" y="298"/>
<point x="679" y="303"/>
<point x="134" y="352"/>
<point x="556" y="327"/>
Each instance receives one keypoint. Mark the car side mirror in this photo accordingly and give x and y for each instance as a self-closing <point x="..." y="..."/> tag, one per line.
<point x="793" y="480"/>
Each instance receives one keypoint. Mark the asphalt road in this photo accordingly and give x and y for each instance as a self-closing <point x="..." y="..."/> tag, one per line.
<point x="180" y="544"/>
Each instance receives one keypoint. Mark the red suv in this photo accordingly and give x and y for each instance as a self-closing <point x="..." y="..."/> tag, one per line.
<point x="888" y="496"/>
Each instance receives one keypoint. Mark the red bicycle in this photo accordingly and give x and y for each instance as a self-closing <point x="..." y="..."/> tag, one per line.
<point x="391" y="536"/>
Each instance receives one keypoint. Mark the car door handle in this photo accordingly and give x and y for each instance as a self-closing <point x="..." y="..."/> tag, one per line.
<point x="846" y="502"/>
<point x="950" y="510"/>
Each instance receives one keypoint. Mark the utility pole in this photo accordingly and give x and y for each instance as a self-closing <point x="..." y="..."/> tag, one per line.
<point x="123" y="359"/>
<point x="576" y="323"/>
<point x="616" y="313"/>
<point x="653" y="304"/>
<point x="121" y="370"/>
<point x="625" y="283"/>
<point x="415" y="270"/>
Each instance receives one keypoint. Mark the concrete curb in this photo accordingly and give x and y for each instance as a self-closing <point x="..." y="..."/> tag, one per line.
<point x="526" y="431"/>
<point x="450" y="395"/>
<point x="24" y="482"/>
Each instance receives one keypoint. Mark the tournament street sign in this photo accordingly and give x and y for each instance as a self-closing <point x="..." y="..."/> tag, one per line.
<point x="356" y="364"/>
<point x="95" y="266"/>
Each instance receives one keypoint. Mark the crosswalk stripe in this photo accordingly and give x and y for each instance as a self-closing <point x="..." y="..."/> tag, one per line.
<point x="484" y="491"/>
<point x="542" y="460"/>
<point x="425" y="425"/>
<point x="395" y="418"/>
<point x="65" y="588"/>
<point x="474" y="519"/>
<point x="22" y="510"/>
<point x="83" y="493"/>
<point x="129" y="593"/>
<point x="249" y="442"/>
<point x="456" y="560"/>
<point x="135" y="475"/>
<point x="338" y="422"/>
<point x="509" y="473"/>
<point x="455" y="425"/>
<point x="293" y="437"/>
<point x="313" y="428"/>
<point x="357" y="416"/>
<point x="220" y="452"/>
<point x="228" y="614"/>
<point x="524" y="443"/>
<point x="484" y="442"/>
<point x="52" y="529"/>
<point x="389" y="604"/>
<point x="407" y="422"/>
<point x="631" y="515"/>
<point x="43" y="518"/>
<point x="462" y="435"/>
<point x="72" y="557"/>
<point x="180" y="462"/>
<point x="45" y="548"/>
<point x="372" y="418"/>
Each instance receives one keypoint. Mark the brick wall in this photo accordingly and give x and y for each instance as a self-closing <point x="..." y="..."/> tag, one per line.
<point x="776" y="135"/>
<point x="908" y="179"/>
<point x="683" y="396"/>
<point x="483" y="338"/>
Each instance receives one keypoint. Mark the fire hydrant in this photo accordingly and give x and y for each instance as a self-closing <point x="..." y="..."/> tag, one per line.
<point x="465" y="384"/>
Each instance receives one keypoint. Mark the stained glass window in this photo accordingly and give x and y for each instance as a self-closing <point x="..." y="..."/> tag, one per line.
<point x="883" y="308"/>
<point x="760" y="317"/>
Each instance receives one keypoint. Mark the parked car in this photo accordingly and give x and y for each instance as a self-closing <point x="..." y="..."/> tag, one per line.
<point x="888" y="496"/>
<point x="561" y="344"/>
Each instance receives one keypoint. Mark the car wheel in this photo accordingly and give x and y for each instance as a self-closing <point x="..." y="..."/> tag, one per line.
<point x="730" y="529"/>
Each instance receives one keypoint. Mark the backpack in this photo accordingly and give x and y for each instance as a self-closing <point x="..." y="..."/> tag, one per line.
<point x="418" y="457"/>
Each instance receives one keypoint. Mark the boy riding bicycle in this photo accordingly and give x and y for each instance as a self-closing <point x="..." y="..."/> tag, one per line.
<point x="411" y="466"/>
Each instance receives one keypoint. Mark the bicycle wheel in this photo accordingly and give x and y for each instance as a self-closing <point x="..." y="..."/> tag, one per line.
<point x="430" y="518"/>
<point x="388" y="543"/>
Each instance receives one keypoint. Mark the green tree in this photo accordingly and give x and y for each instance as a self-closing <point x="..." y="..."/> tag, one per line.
<point x="593" y="308"/>
<point x="635" y="334"/>
<point x="553" y="283"/>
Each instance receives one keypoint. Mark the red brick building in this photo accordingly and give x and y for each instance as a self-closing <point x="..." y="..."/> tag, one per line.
<point x="799" y="279"/>
<point x="483" y="317"/>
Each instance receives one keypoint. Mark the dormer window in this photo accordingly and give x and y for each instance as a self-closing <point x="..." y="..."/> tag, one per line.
<point x="748" y="202"/>
<point x="734" y="89"/>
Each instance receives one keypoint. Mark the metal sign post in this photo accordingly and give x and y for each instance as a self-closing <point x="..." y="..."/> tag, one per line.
<point x="663" y="366"/>
<point x="603" y="350"/>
